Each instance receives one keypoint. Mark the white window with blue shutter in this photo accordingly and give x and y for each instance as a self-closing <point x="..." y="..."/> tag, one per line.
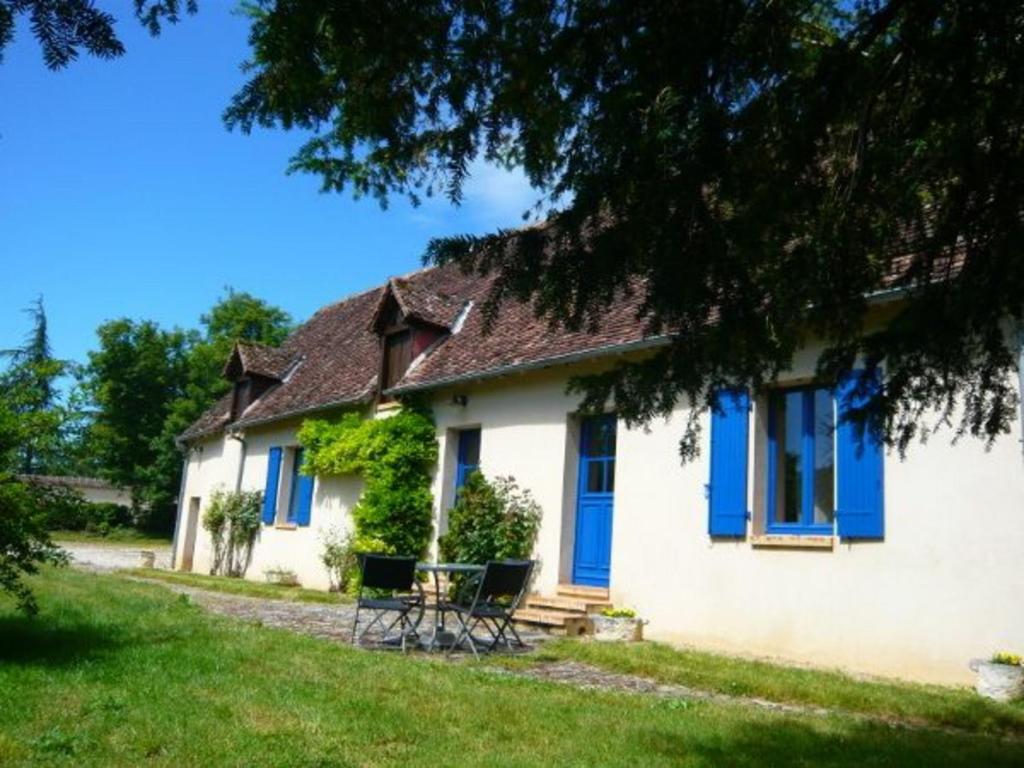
<point x="727" y="486"/>
<point x="821" y="474"/>
<point x="800" y="476"/>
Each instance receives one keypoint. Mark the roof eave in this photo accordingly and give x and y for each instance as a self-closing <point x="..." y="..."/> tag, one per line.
<point x="533" y="365"/>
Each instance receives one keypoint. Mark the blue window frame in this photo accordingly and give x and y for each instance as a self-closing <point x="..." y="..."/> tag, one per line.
<point x="801" y="461"/>
<point x="293" y="492"/>
<point x="468" y="459"/>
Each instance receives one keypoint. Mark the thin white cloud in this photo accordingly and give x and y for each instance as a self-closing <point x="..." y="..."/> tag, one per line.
<point x="498" y="197"/>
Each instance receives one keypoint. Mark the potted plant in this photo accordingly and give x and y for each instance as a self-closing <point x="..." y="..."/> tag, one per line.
<point x="617" y="624"/>
<point x="1000" y="678"/>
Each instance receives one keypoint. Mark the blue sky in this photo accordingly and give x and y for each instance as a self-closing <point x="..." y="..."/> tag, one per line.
<point x="123" y="195"/>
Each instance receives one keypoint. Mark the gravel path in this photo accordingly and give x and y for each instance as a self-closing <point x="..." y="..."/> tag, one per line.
<point x="327" y="621"/>
<point x="109" y="557"/>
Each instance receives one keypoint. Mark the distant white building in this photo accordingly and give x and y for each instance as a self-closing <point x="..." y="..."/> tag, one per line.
<point x="92" y="489"/>
<point x="789" y="537"/>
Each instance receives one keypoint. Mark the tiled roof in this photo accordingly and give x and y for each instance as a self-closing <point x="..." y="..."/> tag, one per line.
<point x="335" y="357"/>
<point x="338" y="358"/>
<point x="338" y="353"/>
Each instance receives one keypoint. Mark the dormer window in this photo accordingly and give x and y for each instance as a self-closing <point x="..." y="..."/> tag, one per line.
<point x="397" y="356"/>
<point x="254" y="369"/>
<point x="241" y="398"/>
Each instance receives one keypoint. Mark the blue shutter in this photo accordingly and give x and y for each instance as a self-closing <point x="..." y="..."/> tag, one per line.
<point x="859" y="453"/>
<point x="727" y="489"/>
<point x="305" y="500"/>
<point x="270" y="493"/>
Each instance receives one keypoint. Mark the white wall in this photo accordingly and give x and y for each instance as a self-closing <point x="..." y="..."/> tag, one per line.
<point x="281" y="546"/>
<point x="943" y="587"/>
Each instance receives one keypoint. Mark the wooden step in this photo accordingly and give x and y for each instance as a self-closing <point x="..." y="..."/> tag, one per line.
<point x="572" y="604"/>
<point x="569" y="623"/>
<point x="599" y="594"/>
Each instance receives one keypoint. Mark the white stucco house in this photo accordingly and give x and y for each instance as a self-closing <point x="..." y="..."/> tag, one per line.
<point x="786" y="538"/>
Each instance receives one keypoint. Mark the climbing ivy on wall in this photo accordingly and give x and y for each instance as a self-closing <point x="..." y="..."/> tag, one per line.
<point x="395" y="457"/>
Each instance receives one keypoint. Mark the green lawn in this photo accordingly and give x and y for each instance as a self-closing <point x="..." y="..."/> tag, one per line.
<point x="238" y="586"/>
<point x="937" y="705"/>
<point x="118" y="673"/>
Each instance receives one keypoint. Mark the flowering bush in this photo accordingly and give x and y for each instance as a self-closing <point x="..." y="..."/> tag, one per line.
<point x="491" y="521"/>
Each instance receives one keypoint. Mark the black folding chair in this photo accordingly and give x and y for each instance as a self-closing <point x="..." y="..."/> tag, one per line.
<point x="499" y="590"/>
<point x="389" y="588"/>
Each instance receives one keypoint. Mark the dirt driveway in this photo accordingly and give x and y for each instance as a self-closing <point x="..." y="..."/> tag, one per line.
<point x="109" y="556"/>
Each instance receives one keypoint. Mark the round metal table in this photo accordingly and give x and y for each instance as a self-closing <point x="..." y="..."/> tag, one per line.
<point x="441" y="637"/>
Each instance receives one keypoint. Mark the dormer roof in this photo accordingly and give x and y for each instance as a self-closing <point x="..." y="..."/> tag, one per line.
<point x="417" y="304"/>
<point x="252" y="359"/>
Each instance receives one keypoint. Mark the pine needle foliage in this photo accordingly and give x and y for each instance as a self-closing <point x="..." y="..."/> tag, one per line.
<point x="754" y="171"/>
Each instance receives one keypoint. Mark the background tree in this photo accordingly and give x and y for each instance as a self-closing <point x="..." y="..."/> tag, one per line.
<point x="146" y="385"/>
<point x="237" y="316"/>
<point x="64" y="27"/>
<point x="133" y="378"/>
<point x="29" y="389"/>
<point x="756" y="171"/>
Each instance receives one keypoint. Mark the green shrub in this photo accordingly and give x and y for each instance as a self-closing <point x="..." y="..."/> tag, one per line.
<point x="340" y="555"/>
<point x="104" y="517"/>
<point x="395" y="457"/>
<point x="64" y="509"/>
<point x="491" y="521"/>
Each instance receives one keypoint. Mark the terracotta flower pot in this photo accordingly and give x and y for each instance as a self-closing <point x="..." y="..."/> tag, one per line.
<point x="1001" y="682"/>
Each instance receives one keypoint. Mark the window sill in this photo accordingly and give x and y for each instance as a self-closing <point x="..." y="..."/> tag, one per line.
<point x="285" y="526"/>
<point x="793" y="541"/>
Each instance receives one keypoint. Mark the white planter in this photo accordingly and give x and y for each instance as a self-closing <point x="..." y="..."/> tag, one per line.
<point x="147" y="559"/>
<point x="1001" y="682"/>
<point x="617" y="629"/>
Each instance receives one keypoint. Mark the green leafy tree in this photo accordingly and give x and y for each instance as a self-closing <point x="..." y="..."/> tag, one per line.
<point x="65" y="27"/>
<point x="147" y="385"/>
<point x="24" y="541"/>
<point x="754" y="172"/>
<point x="133" y="379"/>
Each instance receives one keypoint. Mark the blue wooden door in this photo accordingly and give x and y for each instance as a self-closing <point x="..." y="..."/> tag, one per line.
<point x="595" y="493"/>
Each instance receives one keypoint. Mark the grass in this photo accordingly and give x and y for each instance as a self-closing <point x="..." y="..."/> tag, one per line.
<point x="935" y="705"/>
<point x="119" y="673"/>
<point x="238" y="586"/>
<point x="116" y="537"/>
